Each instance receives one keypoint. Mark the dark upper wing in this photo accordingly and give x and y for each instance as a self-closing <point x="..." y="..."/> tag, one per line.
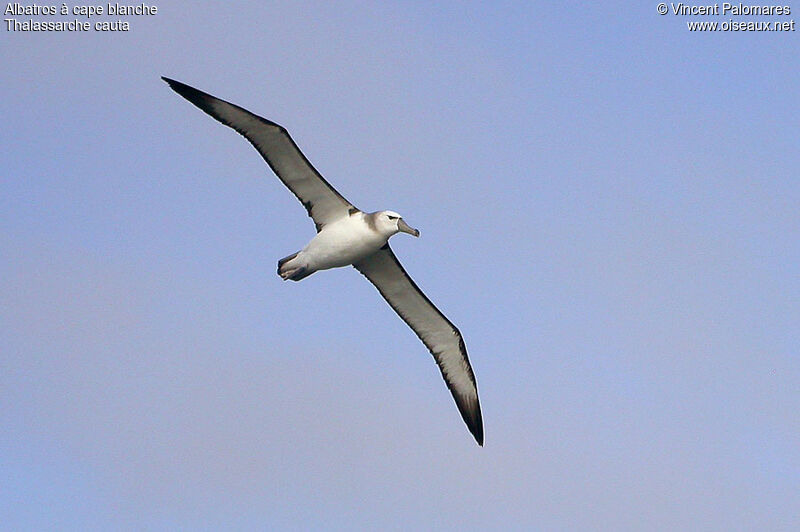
<point x="273" y="142"/>
<point x="438" y="334"/>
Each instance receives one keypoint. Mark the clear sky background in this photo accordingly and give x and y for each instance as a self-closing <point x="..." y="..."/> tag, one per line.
<point x="609" y="212"/>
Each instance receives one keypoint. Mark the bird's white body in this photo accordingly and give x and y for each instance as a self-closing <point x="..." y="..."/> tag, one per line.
<point x="342" y="243"/>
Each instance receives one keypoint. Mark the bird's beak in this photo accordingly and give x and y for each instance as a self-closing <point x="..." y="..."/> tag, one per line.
<point x="404" y="227"/>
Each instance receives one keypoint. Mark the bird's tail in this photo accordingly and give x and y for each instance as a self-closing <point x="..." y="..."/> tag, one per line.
<point x="295" y="272"/>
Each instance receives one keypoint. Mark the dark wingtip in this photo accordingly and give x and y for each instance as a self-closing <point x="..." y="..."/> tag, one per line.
<point x="201" y="99"/>
<point x="190" y="93"/>
<point x="476" y="428"/>
<point x="471" y="414"/>
<point x="171" y="82"/>
<point x="206" y="102"/>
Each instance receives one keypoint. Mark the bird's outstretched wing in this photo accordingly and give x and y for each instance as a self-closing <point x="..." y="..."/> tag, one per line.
<point x="438" y="334"/>
<point x="323" y="203"/>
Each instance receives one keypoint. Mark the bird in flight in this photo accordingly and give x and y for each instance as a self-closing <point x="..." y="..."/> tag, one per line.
<point x="348" y="236"/>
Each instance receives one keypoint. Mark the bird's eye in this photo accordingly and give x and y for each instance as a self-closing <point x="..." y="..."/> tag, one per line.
<point x="392" y="217"/>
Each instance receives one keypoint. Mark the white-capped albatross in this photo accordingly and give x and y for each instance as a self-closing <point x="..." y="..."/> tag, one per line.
<point x="346" y="235"/>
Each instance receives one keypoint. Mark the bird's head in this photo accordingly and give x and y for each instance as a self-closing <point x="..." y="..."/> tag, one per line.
<point x="390" y="223"/>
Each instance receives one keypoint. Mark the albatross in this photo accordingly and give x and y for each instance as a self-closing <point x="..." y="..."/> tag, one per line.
<point x="348" y="236"/>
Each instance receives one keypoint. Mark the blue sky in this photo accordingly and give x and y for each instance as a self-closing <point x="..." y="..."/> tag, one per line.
<point x="609" y="212"/>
